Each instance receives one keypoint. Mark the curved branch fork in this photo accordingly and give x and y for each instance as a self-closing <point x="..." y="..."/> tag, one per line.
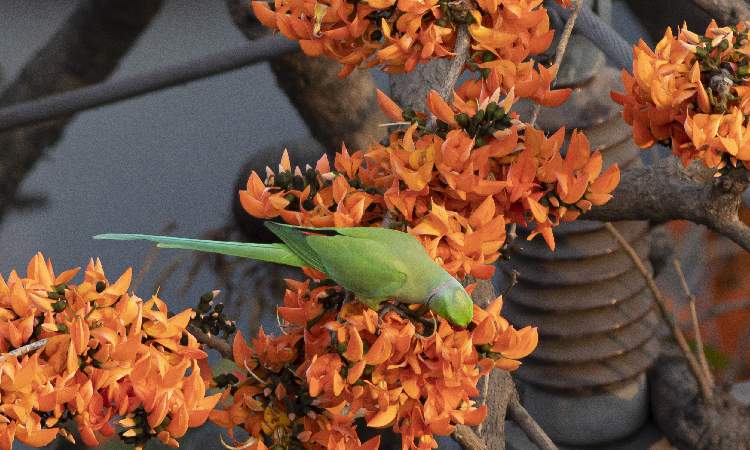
<point x="667" y="191"/>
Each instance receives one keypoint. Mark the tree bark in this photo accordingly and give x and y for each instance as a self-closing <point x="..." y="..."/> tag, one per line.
<point x="667" y="191"/>
<point x="335" y="110"/>
<point x="688" y="423"/>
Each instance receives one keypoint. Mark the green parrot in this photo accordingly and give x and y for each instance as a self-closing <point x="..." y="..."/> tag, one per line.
<point x="375" y="264"/>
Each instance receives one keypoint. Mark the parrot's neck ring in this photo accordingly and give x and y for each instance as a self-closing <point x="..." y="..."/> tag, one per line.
<point x="437" y="289"/>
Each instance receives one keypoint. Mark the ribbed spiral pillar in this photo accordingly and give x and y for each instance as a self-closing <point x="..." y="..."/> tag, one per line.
<point x="591" y="305"/>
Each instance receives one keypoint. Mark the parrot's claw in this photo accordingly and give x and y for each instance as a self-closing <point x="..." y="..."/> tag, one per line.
<point x="434" y="328"/>
<point x="403" y="311"/>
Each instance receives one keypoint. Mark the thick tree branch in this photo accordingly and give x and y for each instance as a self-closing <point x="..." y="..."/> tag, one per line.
<point x="496" y="389"/>
<point x="84" y="51"/>
<point x="725" y="12"/>
<point x="498" y="392"/>
<point x="667" y="191"/>
<point x="73" y="101"/>
<point x="335" y="110"/>
<point x="467" y="438"/>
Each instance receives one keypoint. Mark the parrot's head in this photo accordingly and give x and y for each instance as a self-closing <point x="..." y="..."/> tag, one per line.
<point x="450" y="301"/>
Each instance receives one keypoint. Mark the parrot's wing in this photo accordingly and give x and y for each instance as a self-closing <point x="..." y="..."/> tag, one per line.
<point x="399" y="242"/>
<point x="297" y="241"/>
<point x="277" y="253"/>
<point x="365" y="267"/>
<point x="392" y="237"/>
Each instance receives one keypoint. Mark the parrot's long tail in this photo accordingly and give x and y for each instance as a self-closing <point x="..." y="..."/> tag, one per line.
<point x="276" y="253"/>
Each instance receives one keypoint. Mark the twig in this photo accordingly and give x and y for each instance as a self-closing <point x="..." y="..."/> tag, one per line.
<point x="561" y="46"/>
<point x="703" y="383"/>
<point x="387" y="220"/>
<point x="457" y="63"/>
<point x="617" y="50"/>
<point x="518" y="414"/>
<point x="510" y="236"/>
<point x="467" y="438"/>
<point x="456" y="67"/>
<point x="694" y="319"/>
<point x="513" y="281"/>
<point x="146" y="266"/>
<point x="724" y="308"/>
<point x="28" y="348"/>
<point x="220" y="345"/>
<point x="59" y="105"/>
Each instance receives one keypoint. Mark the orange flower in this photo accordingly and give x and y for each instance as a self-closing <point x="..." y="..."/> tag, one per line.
<point x="108" y="355"/>
<point x="690" y="92"/>
<point x="399" y="35"/>
<point x="476" y="154"/>
<point x="379" y="367"/>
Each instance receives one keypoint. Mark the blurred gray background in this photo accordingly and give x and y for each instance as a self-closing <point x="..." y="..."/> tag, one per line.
<point x="135" y="165"/>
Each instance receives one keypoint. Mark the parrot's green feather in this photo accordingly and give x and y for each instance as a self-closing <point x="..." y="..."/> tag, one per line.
<point x="277" y="253"/>
<point x="296" y="240"/>
<point x="359" y="265"/>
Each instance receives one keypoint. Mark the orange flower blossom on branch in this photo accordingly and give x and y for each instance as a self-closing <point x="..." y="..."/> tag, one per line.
<point x="302" y="388"/>
<point x="399" y="34"/>
<point x="109" y="355"/>
<point x="691" y="93"/>
<point x="455" y="188"/>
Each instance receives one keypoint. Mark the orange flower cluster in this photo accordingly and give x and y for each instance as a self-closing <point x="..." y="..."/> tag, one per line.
<point x="109" y="354"/>
<point x="332" y="362"/>
<point x="691" y="93"/>
<point x="455" y="188"/>
<point x="397" y="35"/>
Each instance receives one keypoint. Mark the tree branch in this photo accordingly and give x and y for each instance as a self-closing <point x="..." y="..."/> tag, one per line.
<point x="467" y="439"/>
<point x="560" y="51"/>
<point x="666" y="191"/>
<point x="81" y="99"/>
<point x="726" y="12"/>
<point x="518" y="414"/>
<point x="705" y="385"/>
<point x="28" y="348"/>
<point x="85" y="50"/>
<point x="222" y="346"/>
<point x="335" y="110"/>
<point x="699" y="352"/>
<point x="457" y="64"/>
<point x="617" y="50"/>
